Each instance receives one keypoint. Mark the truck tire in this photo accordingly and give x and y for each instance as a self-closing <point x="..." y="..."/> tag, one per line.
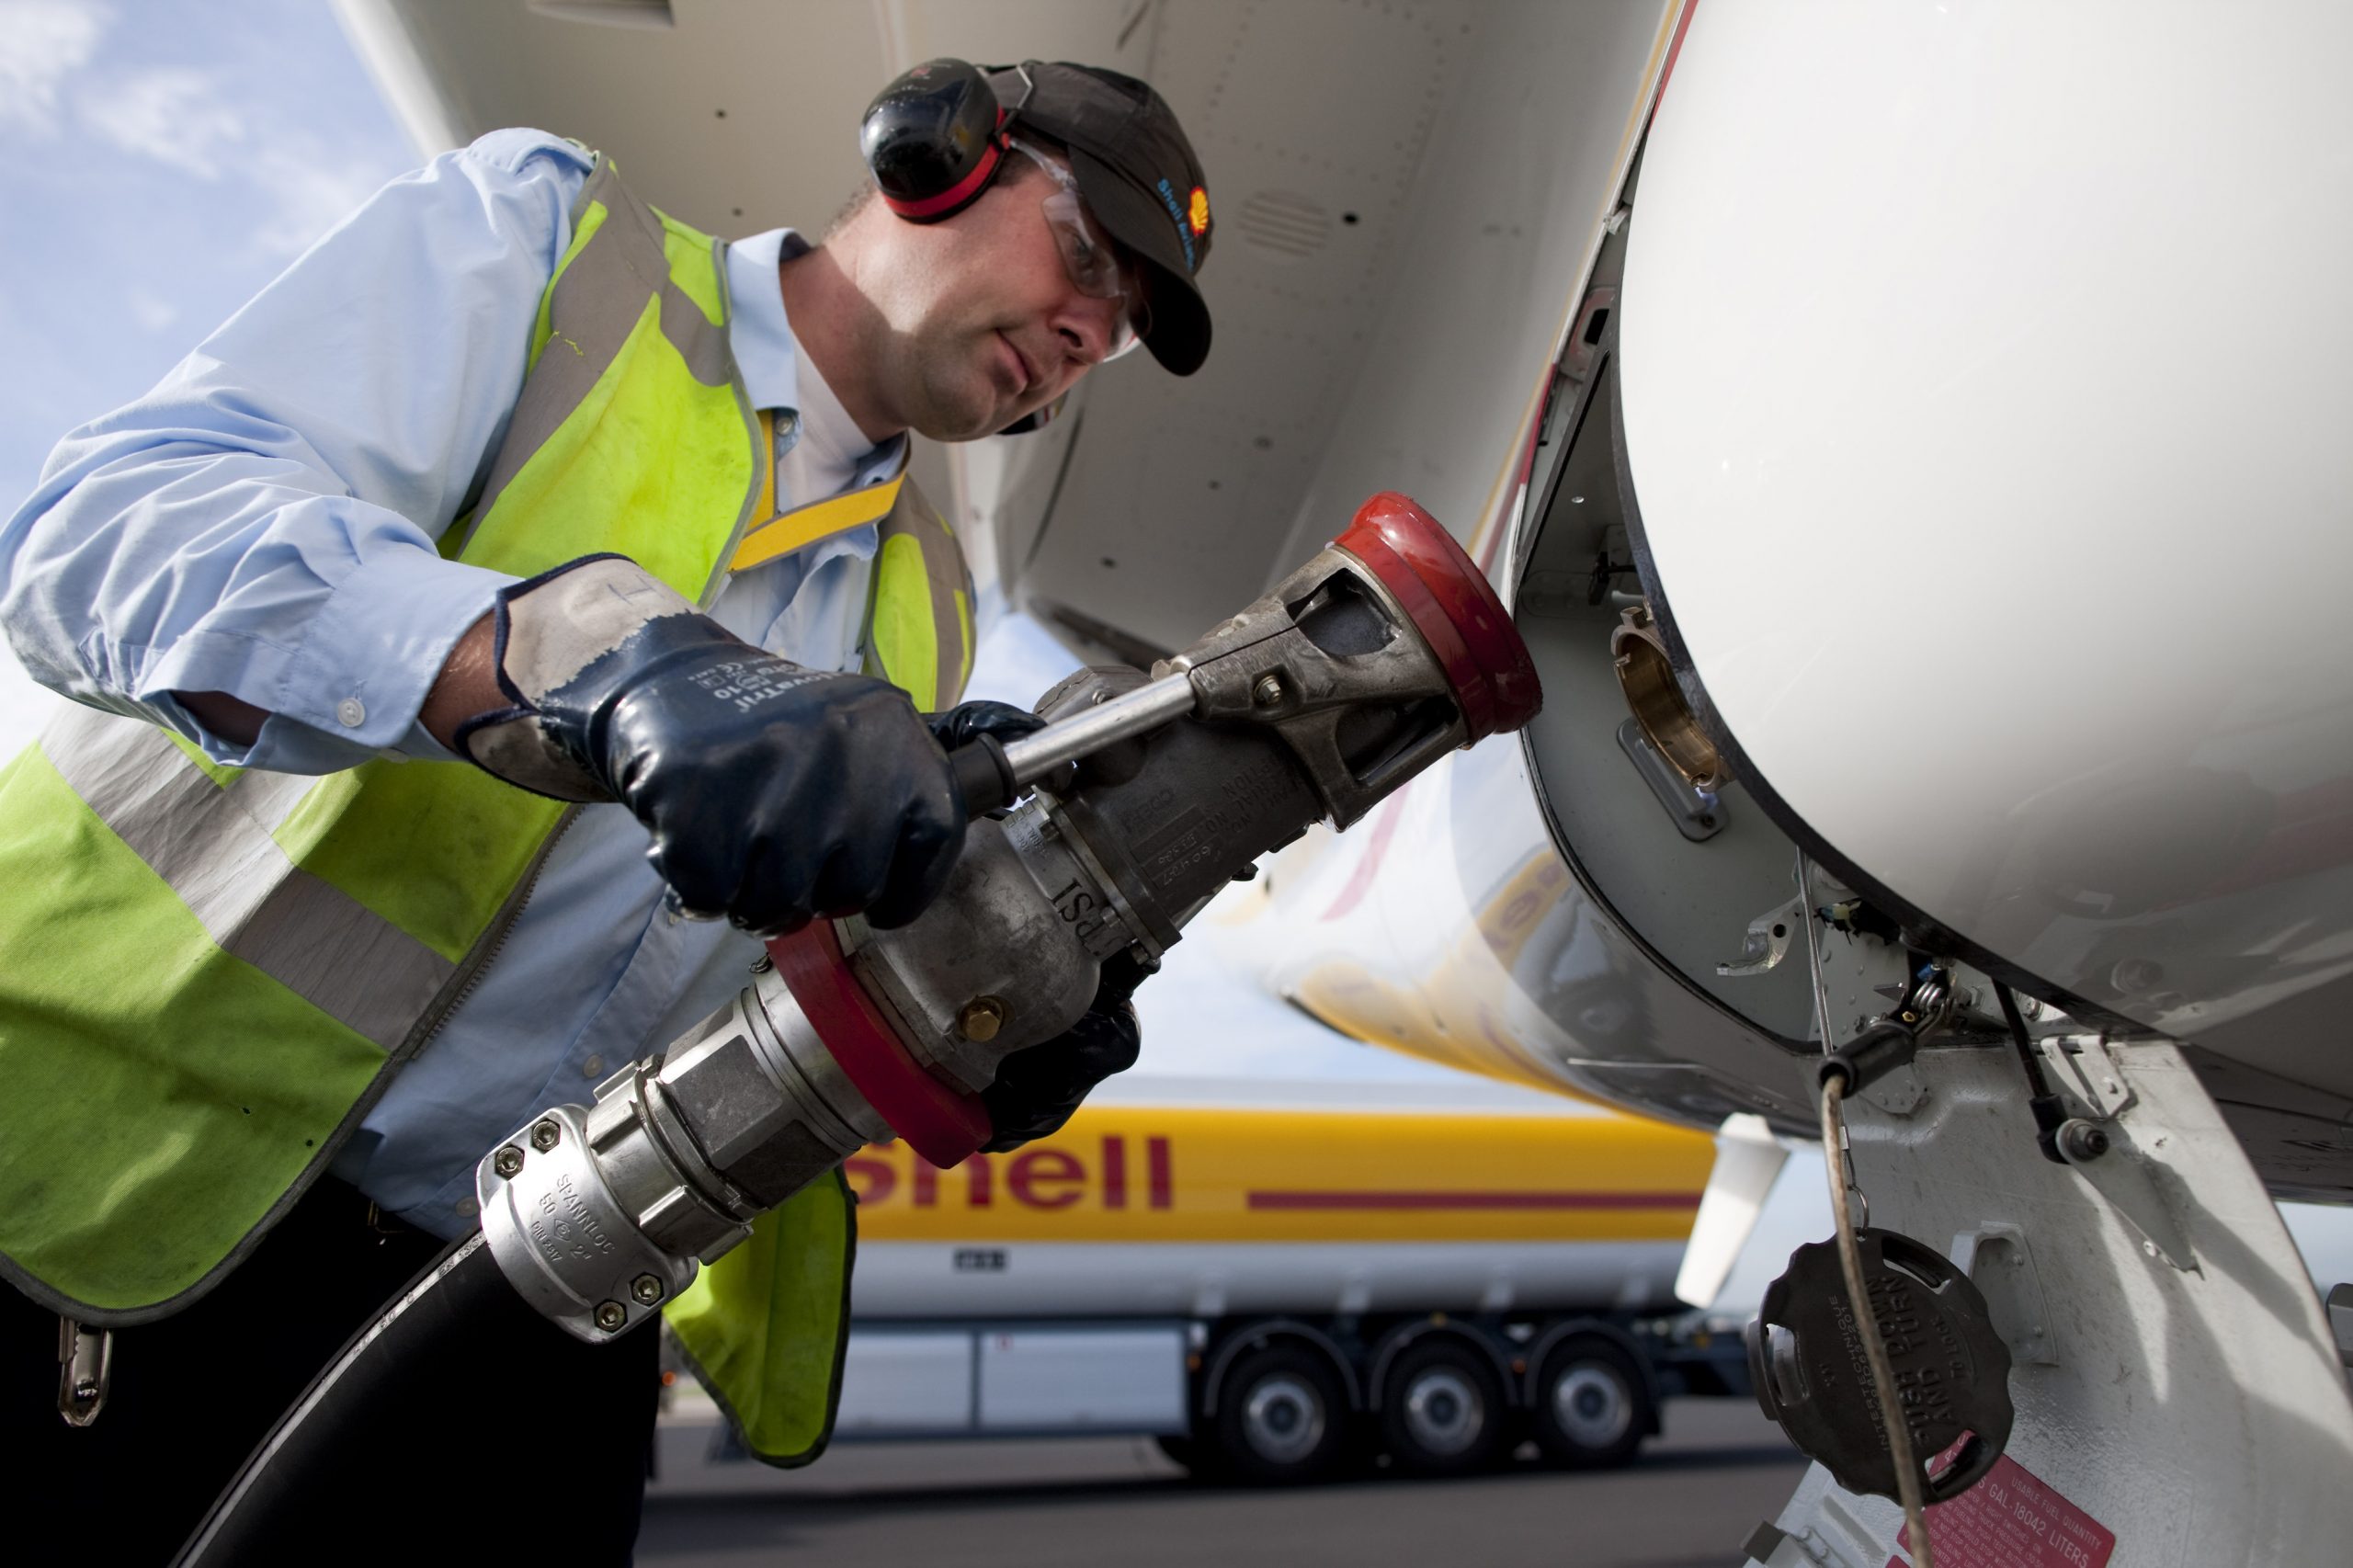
<point x="1593" y="1406"/>
<point x="1442" y="1410"/>
<point x="1281" y="1418"/>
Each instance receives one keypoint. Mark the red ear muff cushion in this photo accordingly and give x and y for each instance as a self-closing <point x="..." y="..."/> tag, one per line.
<point x="956" y="198"/>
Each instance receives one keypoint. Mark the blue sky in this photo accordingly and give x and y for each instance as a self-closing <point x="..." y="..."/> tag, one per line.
<point x="160" y="160"/>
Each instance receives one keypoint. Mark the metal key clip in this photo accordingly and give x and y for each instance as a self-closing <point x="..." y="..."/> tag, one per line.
<point x="85" y="1362"/>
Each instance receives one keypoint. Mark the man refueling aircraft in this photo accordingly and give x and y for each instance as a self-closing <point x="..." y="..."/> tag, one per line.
<point x="512" y="470"/>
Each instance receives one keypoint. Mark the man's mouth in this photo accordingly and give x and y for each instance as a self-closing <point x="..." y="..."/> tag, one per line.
<point x="1025" y="375"/>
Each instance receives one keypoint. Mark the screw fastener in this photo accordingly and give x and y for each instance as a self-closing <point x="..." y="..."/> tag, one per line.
<point x="980" y="1018"/>
<point x="646" y="1288"/>
<point x="1269" y="691"/>
<point x="545" y="1135"/>
<point x="611" y="1316"/>
<point x="508" y="1161"/>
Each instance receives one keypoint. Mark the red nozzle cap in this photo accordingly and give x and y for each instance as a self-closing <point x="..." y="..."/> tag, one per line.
<point x="1452" y="605"/>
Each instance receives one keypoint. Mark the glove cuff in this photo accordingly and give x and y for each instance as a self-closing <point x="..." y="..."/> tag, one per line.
<point x="550" y="632"/>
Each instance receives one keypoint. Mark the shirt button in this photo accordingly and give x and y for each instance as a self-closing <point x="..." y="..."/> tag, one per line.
<point x="592" y="1066"/>
<point x="352" y="712"/>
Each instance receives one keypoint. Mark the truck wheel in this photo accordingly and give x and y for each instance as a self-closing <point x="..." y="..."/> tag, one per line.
<point x="1281" y="1417"/>
<point x="1442" y="1411"/>
<point x="1591" y="1405"/>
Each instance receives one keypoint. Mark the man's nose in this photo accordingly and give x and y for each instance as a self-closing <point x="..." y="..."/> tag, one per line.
<point x="1088" y="326"/>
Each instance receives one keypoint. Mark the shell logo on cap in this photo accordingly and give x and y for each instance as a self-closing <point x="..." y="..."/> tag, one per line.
<point x="1197" y="210"/>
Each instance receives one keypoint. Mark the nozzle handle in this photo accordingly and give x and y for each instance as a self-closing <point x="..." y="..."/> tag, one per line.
<point x="983" y="776"/>
<point x="992" y="774"/>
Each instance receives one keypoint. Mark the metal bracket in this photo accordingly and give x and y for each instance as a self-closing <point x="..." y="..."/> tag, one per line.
<point x="2127" y="1179"/>
<point x="2083" y="1071"/>
<point x="1699" y="813"/>
<point x="1997" y="1261"/>
<point x="1898" y="1091"/>
<point x="1767" y="941"/>
<point x="1844" y="1532"/>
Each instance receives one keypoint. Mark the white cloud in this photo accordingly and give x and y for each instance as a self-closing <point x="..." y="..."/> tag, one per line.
<point x="151" y="310"/>
<point x="41" y="43"/>
<point x="310" y="194"/>
<point x="169" y="113"/>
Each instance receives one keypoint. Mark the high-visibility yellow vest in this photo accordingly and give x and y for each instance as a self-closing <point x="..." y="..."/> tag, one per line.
<point x="208" y="974"/>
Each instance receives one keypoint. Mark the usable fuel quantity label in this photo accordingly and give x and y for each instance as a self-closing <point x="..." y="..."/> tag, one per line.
<point x="2012" y="1519"/>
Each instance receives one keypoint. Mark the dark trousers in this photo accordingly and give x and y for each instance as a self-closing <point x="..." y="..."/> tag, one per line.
<point x="545" y="1441"/>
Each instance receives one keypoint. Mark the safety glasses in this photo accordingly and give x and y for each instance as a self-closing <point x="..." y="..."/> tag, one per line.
<point x="1089" y="258"/>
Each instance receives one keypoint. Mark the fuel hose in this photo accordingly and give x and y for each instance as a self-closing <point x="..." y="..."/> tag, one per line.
<point x="281" y="1507"/>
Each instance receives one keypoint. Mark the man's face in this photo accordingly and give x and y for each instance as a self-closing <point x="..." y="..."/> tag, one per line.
<point x="981" y="322"/>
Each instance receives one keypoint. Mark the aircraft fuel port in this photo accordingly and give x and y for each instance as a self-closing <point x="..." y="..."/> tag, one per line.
<point x="1647" y="673"/>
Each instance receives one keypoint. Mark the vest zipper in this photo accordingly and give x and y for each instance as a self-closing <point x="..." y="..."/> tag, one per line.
<point x="461" y="984"/>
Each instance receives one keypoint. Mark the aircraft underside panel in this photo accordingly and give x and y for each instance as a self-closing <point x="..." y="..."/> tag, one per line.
<point x="2170" y="1414"/>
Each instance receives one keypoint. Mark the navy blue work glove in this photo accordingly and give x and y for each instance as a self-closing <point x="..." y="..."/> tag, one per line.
<point x="967" y="722"/>
<point x="1037" y="1089"/>
<point x="774" y="794"/>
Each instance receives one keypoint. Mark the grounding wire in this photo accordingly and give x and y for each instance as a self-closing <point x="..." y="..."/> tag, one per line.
<point x="1850" y="1263"/>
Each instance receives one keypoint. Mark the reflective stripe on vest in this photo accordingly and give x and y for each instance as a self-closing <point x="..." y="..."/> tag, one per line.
<point x="298" y="937"/>
<point x="209" y="838"/>
<point x="207" y="975"/>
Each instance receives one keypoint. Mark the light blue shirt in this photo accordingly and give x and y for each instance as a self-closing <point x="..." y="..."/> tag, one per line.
<point x="263" y="522"/>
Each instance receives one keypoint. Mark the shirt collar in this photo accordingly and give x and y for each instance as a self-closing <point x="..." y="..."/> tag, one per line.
<point x="766" y="356"/>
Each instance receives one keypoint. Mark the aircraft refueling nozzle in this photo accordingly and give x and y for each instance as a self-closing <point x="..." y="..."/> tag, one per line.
<point x="1382" y="655"/>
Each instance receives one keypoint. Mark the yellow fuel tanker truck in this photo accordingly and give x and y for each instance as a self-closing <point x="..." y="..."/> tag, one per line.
<point x="1272" y="1283"/>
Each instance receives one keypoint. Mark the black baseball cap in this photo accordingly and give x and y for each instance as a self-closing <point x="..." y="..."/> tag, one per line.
<point x="1140" y="178"/>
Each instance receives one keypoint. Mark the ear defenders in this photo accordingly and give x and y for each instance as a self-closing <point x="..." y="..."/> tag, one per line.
<point x="935" y="138"/>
